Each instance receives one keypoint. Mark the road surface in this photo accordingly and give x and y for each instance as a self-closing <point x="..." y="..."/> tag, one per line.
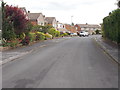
<point x="76" y="62"/>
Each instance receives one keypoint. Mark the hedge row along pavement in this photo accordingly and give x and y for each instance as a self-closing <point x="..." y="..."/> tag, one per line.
<point x="111" y="26"/>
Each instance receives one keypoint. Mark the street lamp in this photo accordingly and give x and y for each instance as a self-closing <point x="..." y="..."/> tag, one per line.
<point x="71" y="20"/>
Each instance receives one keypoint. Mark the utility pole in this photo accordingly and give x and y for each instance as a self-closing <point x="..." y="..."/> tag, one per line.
<point x="71" y="20"/>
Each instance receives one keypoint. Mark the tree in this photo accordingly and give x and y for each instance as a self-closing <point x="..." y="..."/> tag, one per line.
<point x="16" y="16"/>
<point x="7" y="26"/>
<point x="118" y="3"/>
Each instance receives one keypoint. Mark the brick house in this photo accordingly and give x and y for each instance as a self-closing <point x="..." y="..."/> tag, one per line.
<point x="70" y="28"/>
<point x="91" y="28"/>
<point x="51" y="21"/>
<point x="37" y="18"/>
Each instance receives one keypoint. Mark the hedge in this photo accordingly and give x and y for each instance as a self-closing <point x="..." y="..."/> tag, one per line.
<point x="111" y="26"/>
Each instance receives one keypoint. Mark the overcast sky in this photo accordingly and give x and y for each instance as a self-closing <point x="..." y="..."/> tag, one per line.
<point x="83" y="11"/>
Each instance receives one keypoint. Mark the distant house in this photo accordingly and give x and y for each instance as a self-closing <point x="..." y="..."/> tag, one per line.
<point x="70" y="28"/>
<point x="51" y="21"/>
<point x="61" y="27"/>
<point x="91" y="28"/>
<point x="37" y="18"/>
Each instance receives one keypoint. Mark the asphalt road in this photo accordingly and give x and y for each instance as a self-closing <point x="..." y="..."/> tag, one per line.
<point x="71" y="63"/>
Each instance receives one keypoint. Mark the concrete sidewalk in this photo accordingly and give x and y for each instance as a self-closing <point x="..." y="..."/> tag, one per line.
<point x="12" y="54"/>
<point x="109" y="47"/>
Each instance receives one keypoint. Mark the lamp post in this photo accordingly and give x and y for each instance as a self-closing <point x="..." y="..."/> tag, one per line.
<point x="71" y="20"/>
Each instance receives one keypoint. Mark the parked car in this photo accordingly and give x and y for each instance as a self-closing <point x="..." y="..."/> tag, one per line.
<point x="73" y="34"/>
<point x="83" y="33"/>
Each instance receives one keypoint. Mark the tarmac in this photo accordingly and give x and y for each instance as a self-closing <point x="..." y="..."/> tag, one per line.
<point x="12" y="54"/>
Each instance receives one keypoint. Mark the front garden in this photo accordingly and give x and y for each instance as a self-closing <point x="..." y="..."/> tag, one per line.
<point x="18" y="31"/>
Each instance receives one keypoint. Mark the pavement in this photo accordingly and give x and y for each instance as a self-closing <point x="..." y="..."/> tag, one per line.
<point x="109" y="47"/>
<point x="76" y="62"/>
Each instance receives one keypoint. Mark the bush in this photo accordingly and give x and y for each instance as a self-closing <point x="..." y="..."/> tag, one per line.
<point x="97" y="32"/>
<point x="57" y="34"/>
<point x="12" y="43"/>
<point x="48" y="36"/>
<point x="26" y="40"/>
<point x="40" y="36"/>
<point x="22" y="36"/>
<point x="111" y="26"/>
<point x="16" y="16"/>
<point x="53" y="32"/>
<point x="64" y="34"/>
<point x="32" y="36"/>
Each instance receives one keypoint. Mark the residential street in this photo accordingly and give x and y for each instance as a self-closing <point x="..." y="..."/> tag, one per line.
<point x="74" y="62"/>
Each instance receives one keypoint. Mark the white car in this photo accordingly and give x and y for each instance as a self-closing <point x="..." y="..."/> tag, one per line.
<point x="73" y="34"/>
<point x="84" y="33"/>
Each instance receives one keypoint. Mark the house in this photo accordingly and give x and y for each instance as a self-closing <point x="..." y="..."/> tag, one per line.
<point x="70" y="28"/>
<point x="61" y="27"/>
<point x="37" y="18"/>
<point x="51" y="21"/>
<point x="91" y="28"/>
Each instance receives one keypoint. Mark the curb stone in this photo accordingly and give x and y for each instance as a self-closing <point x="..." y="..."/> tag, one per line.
<point x="106" y="51"/>
<point x="13" y="58"/>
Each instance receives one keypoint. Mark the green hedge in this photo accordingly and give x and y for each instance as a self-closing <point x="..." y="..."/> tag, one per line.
<point x="111" y="26"/>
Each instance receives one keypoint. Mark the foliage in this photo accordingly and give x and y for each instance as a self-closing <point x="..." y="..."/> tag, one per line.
<point x="97" y="32"/>
<point x="22" y="36"/>
<point x="32" y="36"/>
<point x="17" y="17"/>
<point x="26" y="40"/>
<point x="57" y="34"/>
<point x="29" y="27"/>
<point x="111" y="26"/>
<point x="40" y="36"/>
<point x="12" y="43"/>
<point x="48" y="36"/>
<point x="7" y="26"/>
<point x="118" y="4"/>
<point x="36" y="28"/>
<point x="53" y="32"/>
<point x="43" y="29"/>
<point x="0" y="18"/>
<point x="64" y="34"/>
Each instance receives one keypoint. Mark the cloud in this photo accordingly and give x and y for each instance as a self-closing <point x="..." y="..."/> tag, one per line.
<point x="84" y="11"/>
<point x="61" y="6"/>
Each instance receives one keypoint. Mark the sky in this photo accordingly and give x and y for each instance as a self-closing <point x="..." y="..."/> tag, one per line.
<point x="67" y="11"/>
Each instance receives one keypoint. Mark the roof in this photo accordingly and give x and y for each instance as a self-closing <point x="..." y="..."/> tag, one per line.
<point x="88" y="25"/>
<point x="49" y="19"/>
<point x="70" y="28"/>
<point x="34" y="16"/>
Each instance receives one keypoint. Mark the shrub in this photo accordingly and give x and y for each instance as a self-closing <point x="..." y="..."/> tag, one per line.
<point x="53" y="32"/>
<point x="97" y="32"/>
<point x="48" y="36"/>
<point x="12" y="43"/>
<point x="17" y="17"/>
<point x="40" y="36"/>
<point x="26" y="40"/>
<point x="22" y="36"/>
<point x="57" y="34"/>
<point x="64" y="34"/>
<point x="111" y="26"/>
<point x="32" y="36"/>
